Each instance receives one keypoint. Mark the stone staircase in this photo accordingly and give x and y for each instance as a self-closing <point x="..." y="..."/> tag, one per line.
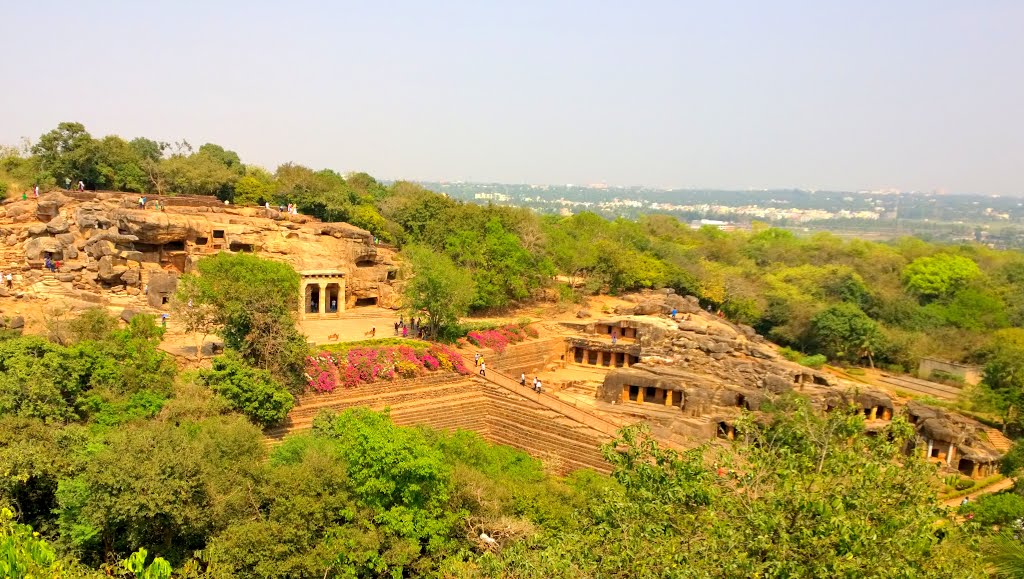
<point x="531" y="356"/>
<point x="998" y="440"/>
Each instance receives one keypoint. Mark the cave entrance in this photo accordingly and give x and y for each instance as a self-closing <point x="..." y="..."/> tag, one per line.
<point x="362" y="302"/>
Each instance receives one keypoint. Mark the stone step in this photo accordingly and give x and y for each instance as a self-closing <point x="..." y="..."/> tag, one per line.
<point x="998" y="440"/>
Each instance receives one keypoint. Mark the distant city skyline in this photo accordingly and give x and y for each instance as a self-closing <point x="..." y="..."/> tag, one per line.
<point x="910" y="95"/>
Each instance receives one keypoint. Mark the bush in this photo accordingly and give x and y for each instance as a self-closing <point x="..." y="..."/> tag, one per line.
<point x="997" y="509"/>
<point x="351" y="367"/>
<point x="963" y="484"/>
<point x="816" y="361"/>
<point x="790" y="354"/>
<point x="255" y="393"/>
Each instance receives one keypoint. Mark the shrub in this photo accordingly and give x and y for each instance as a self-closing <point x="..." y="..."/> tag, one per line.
<point x="253" y="392"/>
<point x="350" y="367"/>
<point x="963" y="484"/>
<point x="498" y="339"/>
<point x="996" y="509"/>
<point x="816" y="361"/>
<point x="790" y="354"/>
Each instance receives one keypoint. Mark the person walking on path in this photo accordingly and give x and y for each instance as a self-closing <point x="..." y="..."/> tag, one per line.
<point x="81" y="186"/>
<point x="483" y="369"/>
<point x="476" y="359"/>
<point x="522" y="379"/>
<point x="67" y="183"/>
<point x="37" y="190"/>
<point x="673" y="313"/>
<point x="10" y="281"/>
<point x="405" y="331"/>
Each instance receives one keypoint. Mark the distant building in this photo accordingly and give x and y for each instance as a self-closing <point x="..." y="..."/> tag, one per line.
<point x="723" y="225"/>
<point x="930" y="368"/>
<point x="498" y="197"/>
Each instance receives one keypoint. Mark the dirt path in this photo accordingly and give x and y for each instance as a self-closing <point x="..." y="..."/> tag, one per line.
<point x="992" y="488"/>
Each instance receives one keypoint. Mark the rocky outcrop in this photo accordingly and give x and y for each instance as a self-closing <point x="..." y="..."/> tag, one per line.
<point x="106" y="242"/>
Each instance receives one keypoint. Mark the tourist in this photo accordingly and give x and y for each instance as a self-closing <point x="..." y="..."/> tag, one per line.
<point x="24" y="196"/>
<point x="965" y="501"/>
<point x="266" y="205"/>
<point x="476" y="358"/>
<point x="37" y="191"/>
<point x="540" y="386"/>
<point x="56" y="266"/>
<point x="396" y="328"/>
<point x="334" y="305"/>
<point x="522" y="379"/>
<point x="709" y="308"/>
<point x="373" y="331"/>
<point x="67" y="183"/>
<point x="401" y="320"/>
<point x="81" y="186"/>
<point x="10" y="281"/>
<point x="483" y="369"/>
<point x="405" y="331"/>
<point x="615" y="337"/>
<point x="163" y="320"/>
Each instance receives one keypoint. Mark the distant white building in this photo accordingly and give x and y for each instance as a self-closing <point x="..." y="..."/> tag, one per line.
<point x="723" y="225"/>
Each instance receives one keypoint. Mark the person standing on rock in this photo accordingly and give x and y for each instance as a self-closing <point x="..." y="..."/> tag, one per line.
<point x="673" y="313"/>
<point x="81" y="186"/>
<point x="67" y="183"/>
<point x="615" y="336"/>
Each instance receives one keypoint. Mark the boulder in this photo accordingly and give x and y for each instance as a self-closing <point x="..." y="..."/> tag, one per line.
<point x="584" y="313"/>
<point x="130" y="277"/>
<point x="57" y="225"/>
<point x="108" y="272"/>
<point x="36" y="229"/>
<point x="213" y="348"/>
<point x="16" y="323"/>
<point x="49" y="205"/>
<point x="37" y="247"/>
<point x="66" y="277"/>
<point x="127" y="314"/>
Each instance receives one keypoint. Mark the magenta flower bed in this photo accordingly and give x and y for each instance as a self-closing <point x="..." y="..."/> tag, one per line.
<point x="499" y="338"/>
<point x="327" y="371"/>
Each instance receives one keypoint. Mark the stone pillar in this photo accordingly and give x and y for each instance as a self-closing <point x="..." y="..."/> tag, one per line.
<point x="625" y="360"/>
<point x="600" y="358"/>
<point x="928" y="453"/>
<point x="668" y="397"/>
<point x="874" y="413"/>
<point x="949" y="455"/>
<point x="302" y="300"/>
<point x="730" y="432"/>
<point x="886" y="414"/>
<point x="625" y="394"/>
<point x="974" y="471"/>
<point x="639" y="394"/>
<point x="341" y="295"/>
<point x="322" y="303"/>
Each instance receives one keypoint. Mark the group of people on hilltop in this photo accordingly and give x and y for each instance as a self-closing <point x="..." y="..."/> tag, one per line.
<point x="143" y="200"/>
<point x="290" y="208"/>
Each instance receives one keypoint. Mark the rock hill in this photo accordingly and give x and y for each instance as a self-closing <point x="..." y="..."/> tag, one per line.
<point x="110" y="247"/>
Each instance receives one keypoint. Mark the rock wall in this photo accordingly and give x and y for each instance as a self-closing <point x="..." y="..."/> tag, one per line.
<point x="108" y="243"/>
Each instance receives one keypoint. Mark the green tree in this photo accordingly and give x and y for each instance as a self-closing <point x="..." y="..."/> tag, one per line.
<point x="1002" y="386"/>
<point x="845" y="332"/>
<point x="23" y="553"/>
<point x="939" y="275"/>
<point x="252" y="392"/>
<point x="438" y="287"/>
<point x="66" y="152"/>
<point x="252" y="302"/>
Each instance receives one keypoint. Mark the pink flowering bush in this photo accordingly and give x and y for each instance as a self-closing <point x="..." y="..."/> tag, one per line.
<point x="327" y="370"/>
<point x="498" y="339"/>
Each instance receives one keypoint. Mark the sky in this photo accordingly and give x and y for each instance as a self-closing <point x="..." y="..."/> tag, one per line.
<point x="818" y="94"/>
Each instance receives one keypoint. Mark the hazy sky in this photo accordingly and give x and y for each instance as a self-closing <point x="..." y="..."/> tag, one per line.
<point x="857" y="94"/>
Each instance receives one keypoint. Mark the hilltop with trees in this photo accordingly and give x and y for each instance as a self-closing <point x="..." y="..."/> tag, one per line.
<point x="107" y="447"/>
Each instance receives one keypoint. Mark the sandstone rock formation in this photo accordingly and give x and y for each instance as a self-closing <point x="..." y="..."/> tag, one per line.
<point x="106" y="243"/>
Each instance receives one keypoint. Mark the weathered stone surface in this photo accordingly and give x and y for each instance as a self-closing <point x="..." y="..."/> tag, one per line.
<point x="16" y="322"/>
<point x="49" y="205"/>
<point x="130" y="277"/>
<point x="67" y="277"/>
<point x="37" y="247"/>
<point x="127" y="314"/>
<point x="57" y="225"/>
<point x="36" y="229"/>
<point x="584" y="313"/>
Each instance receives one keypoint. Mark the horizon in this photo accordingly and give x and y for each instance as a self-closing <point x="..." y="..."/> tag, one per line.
<point x="915" y="97"/>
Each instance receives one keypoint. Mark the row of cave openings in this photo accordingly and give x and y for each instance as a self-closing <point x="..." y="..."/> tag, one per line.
<point x="605" y="359"/>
